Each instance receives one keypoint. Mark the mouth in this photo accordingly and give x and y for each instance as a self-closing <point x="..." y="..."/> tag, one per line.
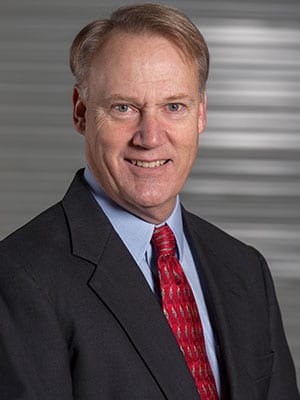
<point x="148" y="164"/>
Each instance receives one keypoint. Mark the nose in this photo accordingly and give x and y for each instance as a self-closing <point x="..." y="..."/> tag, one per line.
<point x="150" y="132"/>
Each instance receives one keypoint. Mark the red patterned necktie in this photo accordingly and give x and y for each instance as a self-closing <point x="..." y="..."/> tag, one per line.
<point x="181" y="311"/>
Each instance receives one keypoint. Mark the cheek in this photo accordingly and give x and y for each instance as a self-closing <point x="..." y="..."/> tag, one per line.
<point x="188" y="141"/>
<point x="107" y="146"/>
<point x="97" y="134"/>
<point x="189" y="149"/>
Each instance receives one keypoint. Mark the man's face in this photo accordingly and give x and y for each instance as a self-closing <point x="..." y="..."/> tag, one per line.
<point x="141" y="122"/>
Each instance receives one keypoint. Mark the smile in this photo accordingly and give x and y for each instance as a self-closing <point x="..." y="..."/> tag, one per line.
<point x="148" y="164"/>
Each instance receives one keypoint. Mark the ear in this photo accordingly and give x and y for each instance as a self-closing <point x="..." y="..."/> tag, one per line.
<point x="202" y="114"/>
<point x="79" y="110"/>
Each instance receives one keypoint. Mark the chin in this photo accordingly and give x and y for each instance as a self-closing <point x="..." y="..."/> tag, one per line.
<point x="151" y="199"/>
<point x="156" y="203"/>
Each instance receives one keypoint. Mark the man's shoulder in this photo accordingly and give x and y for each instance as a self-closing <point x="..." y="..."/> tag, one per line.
<point x="38" y="254"/>
<point x="217" y="241"/>
<point x="46" y="228"/>
<point x="199" y="226"/>
<point x="222" y="249"/>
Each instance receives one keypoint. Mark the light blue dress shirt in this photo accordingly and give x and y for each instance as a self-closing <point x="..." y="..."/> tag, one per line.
<point x="136" y="234"/>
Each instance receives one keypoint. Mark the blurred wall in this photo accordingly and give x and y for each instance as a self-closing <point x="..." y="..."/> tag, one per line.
<point x="247" y="176"/>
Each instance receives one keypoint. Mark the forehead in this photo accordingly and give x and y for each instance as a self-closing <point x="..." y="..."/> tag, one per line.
<point x="139" y="58"/>
<point x="123" y="38"/>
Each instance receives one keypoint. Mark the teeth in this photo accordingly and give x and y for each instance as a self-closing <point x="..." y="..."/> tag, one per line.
<point x="148" y="164"/>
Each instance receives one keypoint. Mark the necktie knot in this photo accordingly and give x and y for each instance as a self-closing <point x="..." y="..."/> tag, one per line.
<point x="164" y="241"/>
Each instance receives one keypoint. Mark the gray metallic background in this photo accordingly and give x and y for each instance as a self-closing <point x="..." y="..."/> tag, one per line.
<point x="247" y="176"/>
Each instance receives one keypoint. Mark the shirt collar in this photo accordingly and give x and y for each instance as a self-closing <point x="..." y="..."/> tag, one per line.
<point x="135" y="233"/>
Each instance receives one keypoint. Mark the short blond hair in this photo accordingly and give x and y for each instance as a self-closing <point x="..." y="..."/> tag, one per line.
<point x="137" y="19"/>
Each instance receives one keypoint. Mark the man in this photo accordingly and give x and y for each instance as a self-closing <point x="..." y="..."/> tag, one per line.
<point x="117" y="292"/>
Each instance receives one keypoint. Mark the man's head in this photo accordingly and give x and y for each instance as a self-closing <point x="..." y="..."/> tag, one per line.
<point x="139" y="100"/>
<point x="139" y="19"/>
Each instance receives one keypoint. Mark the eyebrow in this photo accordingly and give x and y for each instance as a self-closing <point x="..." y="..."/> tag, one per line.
<point x="119" y="97"/>
<point x="134" y="100"/>
<point x="180" y="96"/>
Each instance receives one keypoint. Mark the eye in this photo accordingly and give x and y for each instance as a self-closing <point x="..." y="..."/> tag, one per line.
<point x="122" y="108"/>
<point x="174" y="107"/>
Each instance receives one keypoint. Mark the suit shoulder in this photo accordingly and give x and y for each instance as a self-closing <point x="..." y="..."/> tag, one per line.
<point x="240" y="259"/>
<point x="217" y="241"/>
<point x="45" y="228"/>
<point x="41" y="252"/>
<point x="198" y="224"/>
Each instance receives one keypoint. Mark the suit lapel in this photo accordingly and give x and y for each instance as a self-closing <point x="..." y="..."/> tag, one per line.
<point x="227" y="303"/>
<point x="119" y="283"/>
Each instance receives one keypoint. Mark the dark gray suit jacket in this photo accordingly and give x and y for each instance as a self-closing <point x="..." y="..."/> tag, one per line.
<point x="78" y="320"/>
